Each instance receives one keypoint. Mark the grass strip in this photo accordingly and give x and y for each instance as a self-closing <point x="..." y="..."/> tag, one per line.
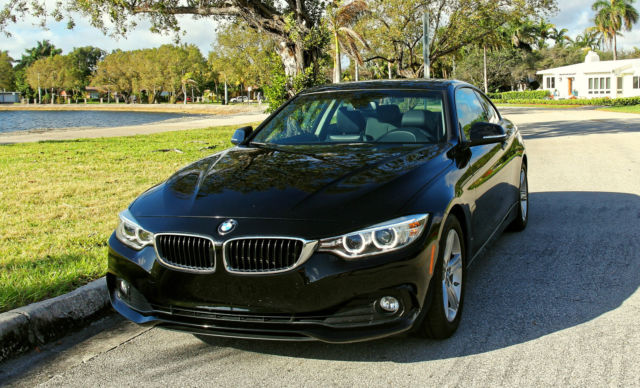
<point x="59" y="202"/>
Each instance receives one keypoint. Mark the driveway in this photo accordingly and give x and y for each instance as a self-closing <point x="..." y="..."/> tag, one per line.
<point x="555" y="305"/>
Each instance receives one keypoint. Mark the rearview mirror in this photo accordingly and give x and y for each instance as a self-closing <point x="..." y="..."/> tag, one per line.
<point x="486" y="133"/>
<point x="241" y="134"/>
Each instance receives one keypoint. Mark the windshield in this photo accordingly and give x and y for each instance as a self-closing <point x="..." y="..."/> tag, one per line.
<point x="370" y="116"/>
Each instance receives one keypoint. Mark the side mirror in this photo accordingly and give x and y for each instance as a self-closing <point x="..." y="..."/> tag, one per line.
<point x="486" y="133"/>
<point x="240" y="135"/>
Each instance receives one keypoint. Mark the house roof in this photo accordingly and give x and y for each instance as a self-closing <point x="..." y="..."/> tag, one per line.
<point x="594" y="67"/>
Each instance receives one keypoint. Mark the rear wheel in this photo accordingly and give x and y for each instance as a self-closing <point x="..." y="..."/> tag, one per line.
<point x="442" y="318"/>
<point x="520" y="223"/>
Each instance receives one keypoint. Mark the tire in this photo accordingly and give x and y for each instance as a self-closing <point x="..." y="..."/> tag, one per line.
<point x="522" y="214"/>
<point x="439" y="322"/>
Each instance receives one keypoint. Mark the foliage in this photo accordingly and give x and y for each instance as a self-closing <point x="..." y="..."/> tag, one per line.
<point x="281" y="87"/>
<point x="150" y="71"/>
<point x="43" y="49"/>
<point x="612" y="16"/>
<point x="290" y="23"/>
<point x="60" y="201"/>
<point x="240" y="57"/>
<point x="86" y="59"/>
<point x="394" y="28"/>
<point x="54" y="73"/>
<point x="340" y="19"/>
<point x="622" y="101"/>
<point x="6" y="71"/>
<point x="527" y="94"/>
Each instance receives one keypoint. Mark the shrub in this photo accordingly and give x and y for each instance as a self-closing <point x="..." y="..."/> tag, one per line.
<point x="525" y="95"/>
<point x="601" y="101"/>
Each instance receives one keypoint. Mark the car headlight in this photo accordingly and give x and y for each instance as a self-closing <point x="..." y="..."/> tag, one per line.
<point x="131" y="234"/>
<point x="381" y="238"/>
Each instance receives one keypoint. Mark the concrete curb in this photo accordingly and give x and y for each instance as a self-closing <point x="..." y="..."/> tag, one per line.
<point x="23" y="328"/>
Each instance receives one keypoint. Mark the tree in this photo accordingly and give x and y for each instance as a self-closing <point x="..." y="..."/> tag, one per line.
<point x="293" y="24"/>
<point x="240" y="56"/>
<point x="590" y="39"/>
<point x="54" y="73"/>
<point x="559" y="36"/>
<point x="43" y="49"/>
<point x="6" y="71"/>
<point x="613" y="16"/>
<point x="340" y="19"/>
<point x="394" y="29"/>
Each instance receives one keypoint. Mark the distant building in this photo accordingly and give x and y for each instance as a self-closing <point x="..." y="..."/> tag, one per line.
<point x="9" y="97"/>
<point x="594" y="78"/>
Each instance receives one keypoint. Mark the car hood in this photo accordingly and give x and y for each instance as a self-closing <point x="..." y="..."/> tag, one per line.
<point x="337" y="182"/>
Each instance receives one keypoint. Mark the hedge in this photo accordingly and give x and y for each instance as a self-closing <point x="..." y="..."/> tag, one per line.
<point x="622" y="101"/>
<point x="526" y="95"/>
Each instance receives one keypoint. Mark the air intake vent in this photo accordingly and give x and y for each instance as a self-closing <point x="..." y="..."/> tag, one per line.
<point x="262" y="254"/>
<point x="190" y="253"/>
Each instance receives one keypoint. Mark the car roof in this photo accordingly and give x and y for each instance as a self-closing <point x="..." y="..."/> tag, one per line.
<point x="437" y="84"/>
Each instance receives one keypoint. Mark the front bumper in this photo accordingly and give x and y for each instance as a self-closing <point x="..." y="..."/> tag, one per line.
<point x="327" y="298"/>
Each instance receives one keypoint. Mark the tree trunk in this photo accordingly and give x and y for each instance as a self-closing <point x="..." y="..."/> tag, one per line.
<point x="389" y="68"/>
<point x="337" y="65"/>
<point x="615" y="47"/>
<point x="357" y="73"/>
<point x="486" y="81"/>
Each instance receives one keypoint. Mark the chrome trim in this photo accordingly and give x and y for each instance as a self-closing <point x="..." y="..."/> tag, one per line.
<point x="495" y="136"/>
<point x="308" y="248"/>
<point x="184" y="269"/>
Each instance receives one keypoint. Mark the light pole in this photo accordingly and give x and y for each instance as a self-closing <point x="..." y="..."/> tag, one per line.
<point x="425" y="45"/>
<point x="39" y="92"/>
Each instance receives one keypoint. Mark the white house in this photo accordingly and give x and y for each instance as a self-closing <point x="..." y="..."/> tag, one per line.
<point x="594" y="78"/>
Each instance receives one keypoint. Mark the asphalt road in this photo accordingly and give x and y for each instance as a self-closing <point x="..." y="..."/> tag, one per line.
<point x="555" y="305"/>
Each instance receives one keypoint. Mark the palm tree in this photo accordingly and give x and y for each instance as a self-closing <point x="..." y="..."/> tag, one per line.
<point x="340" y="20"/>
<point x="560" y="36"/>
<point x="589" y="39"/>
<point x="613" y="16"/>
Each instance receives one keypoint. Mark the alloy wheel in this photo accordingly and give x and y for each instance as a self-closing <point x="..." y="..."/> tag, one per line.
<point x="452" y="275"/>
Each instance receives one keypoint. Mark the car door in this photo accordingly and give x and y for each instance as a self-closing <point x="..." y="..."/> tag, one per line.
<point x="506" y="171"/>
<point x="480" y="183"/>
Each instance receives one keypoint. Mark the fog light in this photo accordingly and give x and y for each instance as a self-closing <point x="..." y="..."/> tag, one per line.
<point x="124" y="288"/>
<point x="389" y="304"/>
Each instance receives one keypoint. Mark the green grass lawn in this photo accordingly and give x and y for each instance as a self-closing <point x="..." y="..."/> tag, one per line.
<point x="59" y="203"/>
<point x="622" y="109"/>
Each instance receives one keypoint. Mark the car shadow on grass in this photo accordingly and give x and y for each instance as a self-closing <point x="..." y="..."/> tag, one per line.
<point x="576" y="261"/>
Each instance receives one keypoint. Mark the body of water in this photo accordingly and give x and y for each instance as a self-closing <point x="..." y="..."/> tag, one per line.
<point x="11" y="121"/>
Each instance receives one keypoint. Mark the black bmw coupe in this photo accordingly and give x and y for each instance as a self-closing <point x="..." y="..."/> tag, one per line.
<point x="351" y="213"/>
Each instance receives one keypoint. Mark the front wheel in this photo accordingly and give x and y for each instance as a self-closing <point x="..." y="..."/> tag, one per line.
<point x="443" y="317"/>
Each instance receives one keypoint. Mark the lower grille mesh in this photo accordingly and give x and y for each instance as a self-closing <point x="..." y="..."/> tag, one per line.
<point x="187" y="252"/>
<point x="262" y="254"/>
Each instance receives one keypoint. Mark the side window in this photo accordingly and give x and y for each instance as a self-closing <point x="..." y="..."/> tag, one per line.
<point x="492" y="115"/>
<point x="469" y="109"/>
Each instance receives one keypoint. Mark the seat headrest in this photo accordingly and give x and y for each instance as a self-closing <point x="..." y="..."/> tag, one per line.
<point x="389" y="114"/>
<point x="349" y="121"/>
<point x="416" y="118"/>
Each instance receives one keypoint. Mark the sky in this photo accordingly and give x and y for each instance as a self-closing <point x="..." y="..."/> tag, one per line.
<point x="575" y="15"/>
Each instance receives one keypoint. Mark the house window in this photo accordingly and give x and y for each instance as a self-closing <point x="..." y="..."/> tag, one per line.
<point x="600" y="85"/>
<point x="636" y="82"/>
<point x="619" y="85"/>
<point x="551" y="82"/>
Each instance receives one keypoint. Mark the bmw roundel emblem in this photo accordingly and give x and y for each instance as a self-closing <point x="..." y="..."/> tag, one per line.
<point x="227" y="226"/>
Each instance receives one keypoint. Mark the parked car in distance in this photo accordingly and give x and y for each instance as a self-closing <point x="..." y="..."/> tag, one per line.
<point x="239" y="99"/>
<point x="351" y="213"/>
